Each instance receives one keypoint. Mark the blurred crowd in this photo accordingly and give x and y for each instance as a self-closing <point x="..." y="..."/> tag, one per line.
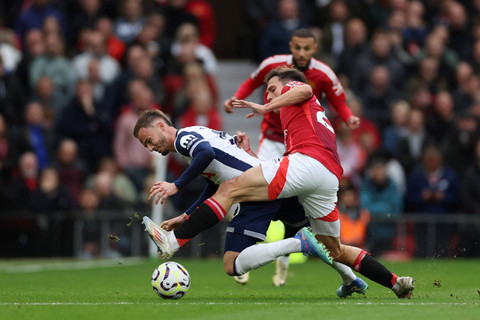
<point x="76" y="74"/>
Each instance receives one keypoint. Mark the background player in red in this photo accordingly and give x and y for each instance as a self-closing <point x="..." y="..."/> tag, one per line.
<point x="321" y="78"/>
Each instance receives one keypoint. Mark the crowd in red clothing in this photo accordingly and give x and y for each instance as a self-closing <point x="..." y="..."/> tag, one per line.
<point x="75" y="74"/>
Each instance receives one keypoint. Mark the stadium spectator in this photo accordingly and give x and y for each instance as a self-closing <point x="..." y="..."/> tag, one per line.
<point x="197" y="97"/>
<point x="447" y="58"/>
<point x="187" y="42"/>
<point x="50" y="197"/>
<point x="356" y="45"/>
<point x="21" y="186"/>
<point x="87" y="15"/>
<point x="177" y="15"/>
<point x="334" y="30"/>
<point x="378" y="95"/>
<point x="441" y="122"/>
<point x="352" y="156"/>
<point x="115" y="47"/>
<point x="366" y="127"/>
<point x="86" y="122"/>
<point x="9" y="151"/>
<point x="44" y="93"/>
<point x="467" y="94"/>
<point x="409" y="148"/>
<point x="12" y="96"/>
<point x="416" y="28"/>
<point x="34" y="46"/>
<point x="35" y="14"/>
<point x="143" y="70"/>
<point x="9" y="51"/>
<point x="109" y="68"/>
<point x="470" y="191"/>
<point x="122" y="186"/>
<point x="72" y="170"/>
<point x="393" y="133"/>
<point x="54" y="65"/>
<point x="432" y="188"/>
<point x="276" y="37"/>
<point x="381" y="197"/>
<point x="207" y="26"/>
<point x="460" y="35"/>
<point x="458" y="146"/>
<point x="129" y="24"/>
<point x="353" y="218"/>
<point x="132" y="157"/>
<point x="39" y="137"/>
<point x="379" y="54"/>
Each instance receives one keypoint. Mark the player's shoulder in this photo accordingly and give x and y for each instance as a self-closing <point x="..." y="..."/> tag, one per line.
<point x="276" y="60"/>
<point x="320" y="68"/>
<point x="194" y="129"/>
<point x="189" y="136"/>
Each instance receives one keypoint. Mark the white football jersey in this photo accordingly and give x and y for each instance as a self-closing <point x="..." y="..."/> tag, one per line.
<point x="230" y="160"/>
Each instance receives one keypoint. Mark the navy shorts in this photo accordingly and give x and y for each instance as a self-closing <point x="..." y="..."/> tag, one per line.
<point x="250" y="225"/>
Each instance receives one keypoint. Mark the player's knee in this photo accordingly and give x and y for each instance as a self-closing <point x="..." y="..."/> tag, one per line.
<point x="228" y="189"/>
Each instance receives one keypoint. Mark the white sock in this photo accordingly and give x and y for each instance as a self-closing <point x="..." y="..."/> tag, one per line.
<point x="259" y="255"/>
<point x="345" y="272"/>
<point x="173" y="240"/>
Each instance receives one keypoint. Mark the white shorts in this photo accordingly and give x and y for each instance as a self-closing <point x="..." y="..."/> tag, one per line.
<point x="269" y="149"/>
<point x="314" y="185"/>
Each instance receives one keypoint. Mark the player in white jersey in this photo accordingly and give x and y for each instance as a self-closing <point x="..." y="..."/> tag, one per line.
<point x="216" y="156"/>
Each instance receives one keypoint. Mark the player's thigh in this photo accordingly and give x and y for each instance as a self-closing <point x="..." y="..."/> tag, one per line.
<point x="249" y="186"/>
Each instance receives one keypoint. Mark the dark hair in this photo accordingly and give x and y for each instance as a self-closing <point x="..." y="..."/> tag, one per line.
<point x="304" y="33"/>
<point x="286" y="74"/>
<point x="146" y="119"/>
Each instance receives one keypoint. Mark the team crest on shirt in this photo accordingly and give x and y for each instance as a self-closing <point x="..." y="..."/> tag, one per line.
<point x="187" y="140"/>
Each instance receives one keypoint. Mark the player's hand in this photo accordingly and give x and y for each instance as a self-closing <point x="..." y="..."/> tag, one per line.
<point x="173" y="223"/>
<point x="228" y="104"/>
<point x="243" y="140"/>
<point x="353" y="122"/>
<point x="163" y="190"/>
<point x="258" y="109"/>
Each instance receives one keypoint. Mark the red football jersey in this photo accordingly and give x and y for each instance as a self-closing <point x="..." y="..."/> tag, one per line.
<point x="320" y="77"/>
<point x="308" y="131"/>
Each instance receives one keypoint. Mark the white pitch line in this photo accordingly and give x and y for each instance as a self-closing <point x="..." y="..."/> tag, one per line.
<point x="230" y="303"/>
<point x="71" y="265"/>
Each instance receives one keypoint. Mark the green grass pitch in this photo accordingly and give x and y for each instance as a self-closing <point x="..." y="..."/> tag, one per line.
<point x="120" y="289"/>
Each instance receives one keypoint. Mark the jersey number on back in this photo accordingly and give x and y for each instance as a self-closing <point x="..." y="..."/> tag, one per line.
<point x="321" y="118"/>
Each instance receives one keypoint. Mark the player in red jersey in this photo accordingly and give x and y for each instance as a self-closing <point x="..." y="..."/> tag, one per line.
<point x="309" y="170"/>
<point x="321" y="78"/>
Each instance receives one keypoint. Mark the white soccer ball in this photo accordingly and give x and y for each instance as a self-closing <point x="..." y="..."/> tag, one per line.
<point x="170" y="280"/>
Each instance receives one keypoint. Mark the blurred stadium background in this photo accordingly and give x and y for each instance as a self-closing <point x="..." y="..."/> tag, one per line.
<point x="75" y="74"/>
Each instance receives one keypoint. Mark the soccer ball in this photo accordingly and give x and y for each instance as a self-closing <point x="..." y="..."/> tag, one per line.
<point x="170" y="280"/>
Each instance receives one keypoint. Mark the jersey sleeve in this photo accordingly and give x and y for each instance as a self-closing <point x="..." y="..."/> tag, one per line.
<point x="192" y="144"/>
<point x="209" y="191"/>
<point x="337" y="98"/>
<point x="187" y="141"/>
<point x="255" y="80"/>
<point x="292" y="84"/>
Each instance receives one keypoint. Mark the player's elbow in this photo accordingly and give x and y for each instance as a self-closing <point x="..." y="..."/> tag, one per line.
<point x="306" y="91"/>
